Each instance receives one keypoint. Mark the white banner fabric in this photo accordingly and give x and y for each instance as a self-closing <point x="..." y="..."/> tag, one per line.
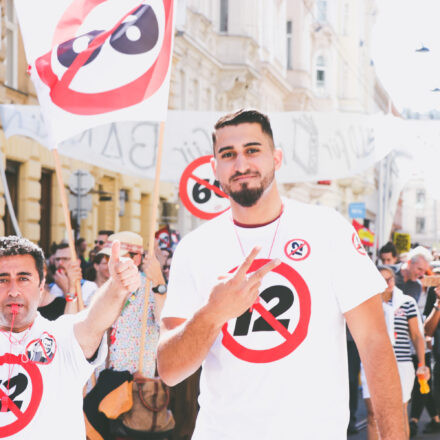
<point x="97" y="61"/>
<point x="316" y="146"/>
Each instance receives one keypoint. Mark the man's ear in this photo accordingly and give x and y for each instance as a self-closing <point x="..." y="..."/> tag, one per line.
<point x="277" y="158"/>
<point x="214" y="166"/>
<point x="41" y="287"/>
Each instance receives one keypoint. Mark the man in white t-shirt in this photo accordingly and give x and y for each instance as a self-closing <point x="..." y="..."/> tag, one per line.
<point x="270" y="334"/>
<point x="44" y="364"/>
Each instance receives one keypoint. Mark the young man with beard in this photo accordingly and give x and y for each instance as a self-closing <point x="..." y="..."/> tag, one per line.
<point x="269" y="332"/>
<point x="44" y="365"/>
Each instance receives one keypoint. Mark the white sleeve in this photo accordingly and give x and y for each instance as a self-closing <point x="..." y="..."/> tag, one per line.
<point x="88" y="289"/>
<point x="74" y="360"/>
<point x="183" y="298"/>
<point x="355" y="278"/>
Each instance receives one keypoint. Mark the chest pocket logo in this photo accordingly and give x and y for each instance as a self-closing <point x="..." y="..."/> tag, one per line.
<point x="42" y="350"/>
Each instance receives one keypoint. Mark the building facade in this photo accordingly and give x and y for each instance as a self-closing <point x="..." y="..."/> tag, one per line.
<point x="275" y="55"/>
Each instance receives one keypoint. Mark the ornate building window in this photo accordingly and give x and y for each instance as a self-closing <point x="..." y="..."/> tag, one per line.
<point x="321" y="73"/>
<point x="224" y="10"/>
<point x="321" y="10"/>
<point x="420" y="225"/>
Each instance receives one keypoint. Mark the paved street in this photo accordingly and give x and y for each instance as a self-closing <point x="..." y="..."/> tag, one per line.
<point x="362" y="435"/>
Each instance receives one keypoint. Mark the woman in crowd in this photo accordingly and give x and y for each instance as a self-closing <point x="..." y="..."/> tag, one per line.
<point x="51" y="306"/>
<point x="98" y="272"/>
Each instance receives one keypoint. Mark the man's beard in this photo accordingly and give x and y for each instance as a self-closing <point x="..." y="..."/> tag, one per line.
<point x="246" y="196"/>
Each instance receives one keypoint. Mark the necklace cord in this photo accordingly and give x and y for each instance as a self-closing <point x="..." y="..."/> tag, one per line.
<point x="5" y="399"/>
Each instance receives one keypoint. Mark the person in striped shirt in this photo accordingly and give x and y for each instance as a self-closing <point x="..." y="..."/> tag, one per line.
<point x="404" y="325"/>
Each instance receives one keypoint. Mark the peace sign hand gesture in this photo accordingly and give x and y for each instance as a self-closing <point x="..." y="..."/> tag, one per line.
<point x="235" y="293"/>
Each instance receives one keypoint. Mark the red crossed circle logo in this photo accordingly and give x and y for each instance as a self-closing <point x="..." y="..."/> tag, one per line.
<point x="357" y="243"/>
<point x="22" y="417"/>
<point x="291" y="340"/>
<point x="134" y="33"/>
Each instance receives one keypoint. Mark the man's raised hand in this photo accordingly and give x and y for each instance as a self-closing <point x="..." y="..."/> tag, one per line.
<point x="123" y="272"/>
<point x="237" y="292"/>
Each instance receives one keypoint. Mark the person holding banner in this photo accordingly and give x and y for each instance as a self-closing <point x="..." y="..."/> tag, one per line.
<point x="45" y="364"/>
<point x="244" y="300"/>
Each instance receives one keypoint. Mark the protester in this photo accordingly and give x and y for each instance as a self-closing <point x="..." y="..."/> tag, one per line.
<point x="252" y="384"/>
<point x="45" y="364"/>
<point x="52" y="307"/>
<point x="125" y="336"/>
<point x="404" y="325"/>
<point x="102" y="239"/>
<point x="409" y="276"/>
<point x="67" y="274"/>
<point x="432" y="328"/>
<point x="388" y="254"/>
<point x="98" y="272"/>
<point x="419" y="400"/>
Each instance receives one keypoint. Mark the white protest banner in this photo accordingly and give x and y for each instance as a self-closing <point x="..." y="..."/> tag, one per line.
<point x="98" y="61"/>
<point x="316" y="146"/>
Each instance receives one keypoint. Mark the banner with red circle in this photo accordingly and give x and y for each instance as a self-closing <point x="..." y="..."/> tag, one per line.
<point x="200" y="192"/>
<point x="134" y="36"/>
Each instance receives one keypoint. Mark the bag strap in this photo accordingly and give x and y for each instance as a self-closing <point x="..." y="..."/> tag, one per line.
<point x="157" y="382"/>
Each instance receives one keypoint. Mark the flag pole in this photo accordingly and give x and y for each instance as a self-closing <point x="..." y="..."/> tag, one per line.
<point x="152" y="228"/>
<point x="62" y="190"/>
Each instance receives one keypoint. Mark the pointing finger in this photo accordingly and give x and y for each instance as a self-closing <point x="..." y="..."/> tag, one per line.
<point x="242" y="270"/>
<point x="262" y="271"/>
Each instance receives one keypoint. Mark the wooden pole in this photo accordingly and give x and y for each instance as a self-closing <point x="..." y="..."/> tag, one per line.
<point x="152" y="229"/>
<point x="62" y="190"/>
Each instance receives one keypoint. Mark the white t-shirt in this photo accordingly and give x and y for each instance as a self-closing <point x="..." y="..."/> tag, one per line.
<point x="46" y="385"/>
<point x="257" y="382"/>
<point x="88" y="288"/>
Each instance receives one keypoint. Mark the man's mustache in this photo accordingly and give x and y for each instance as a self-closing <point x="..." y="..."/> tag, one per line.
<point x="247" y="173"/>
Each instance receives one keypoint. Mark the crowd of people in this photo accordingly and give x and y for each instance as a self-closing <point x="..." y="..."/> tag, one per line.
<point x="92" y="270"/>
<point x="411" y="303"/>
<point x="242" y="298"/>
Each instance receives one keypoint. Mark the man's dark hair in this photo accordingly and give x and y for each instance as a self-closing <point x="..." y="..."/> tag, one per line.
<point x="106" y="232"/>
<point x="243" y="116"/>
<point x="387" y="248"/>
<point x="13" y="245"/>
<point x="62" y="245"/>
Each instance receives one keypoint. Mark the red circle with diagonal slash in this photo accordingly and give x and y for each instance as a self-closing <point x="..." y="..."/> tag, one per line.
<point x="301" y="244"/>
<point x="121" y="97"/>
<point x="292" y="340"/>
<point x="23" y="418"/>
<point x="358" y="244"/>
<point x="188" y="174"/>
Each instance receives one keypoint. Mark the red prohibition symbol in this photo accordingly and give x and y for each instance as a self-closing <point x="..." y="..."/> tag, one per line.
<point x="291" y="340"/>
<point x="23" y="417"/>
<point x="358" y="244"/>
<point x="73" y="59"/>
<point x="202" y="196"/>
<point x="297" y="249"/>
